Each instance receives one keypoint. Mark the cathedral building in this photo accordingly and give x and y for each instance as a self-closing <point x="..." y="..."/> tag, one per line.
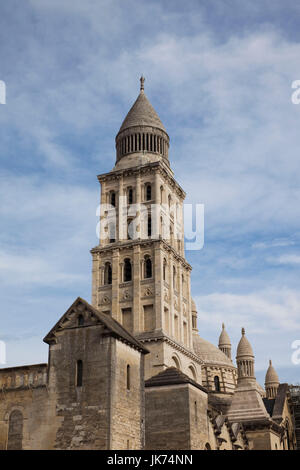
<point x="129" y="370"/>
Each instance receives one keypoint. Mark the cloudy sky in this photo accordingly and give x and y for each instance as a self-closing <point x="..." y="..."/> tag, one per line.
<point x="219" y="74"/>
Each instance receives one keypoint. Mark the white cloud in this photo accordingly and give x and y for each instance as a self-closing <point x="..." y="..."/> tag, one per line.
<point x="259" y="311"/>
<point x="291" y="259"/>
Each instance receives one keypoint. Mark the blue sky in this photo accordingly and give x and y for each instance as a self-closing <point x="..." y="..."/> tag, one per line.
<point x="219" y="74"/>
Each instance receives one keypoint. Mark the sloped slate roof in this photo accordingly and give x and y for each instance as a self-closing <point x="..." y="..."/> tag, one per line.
<point x="112" y="325"/>
<point x="172" y="376"/>
<point x="269" y="405"/>
<point x="142" y="113"/>
<point x="280" y="398"/>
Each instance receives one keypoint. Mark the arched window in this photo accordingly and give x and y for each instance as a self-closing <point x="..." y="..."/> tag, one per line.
<point x="107" y="274"/>
<point x="148" y="192"/>
<point x="176" y="362"/>
<point x="112" y="232"/>
<point x="149" y="227"/>
<point x="192" y="373"/>
<point x="127" y="270"/>
<point x="113" y="198"/>
<point x="174" y="277"/>
<point x="130" y="195"/>
<point x="217" y="383"/>
<point x="207" y="446"/>
<point x="80" y="320"/>
<point x="164" y="269"/>
<point x="161" y="194"/>
<point x="147" y="267"/>
<point x="128" y="377"/>
<point x="15" y="431"/>
<point x="79" y="371"/>
<point x="169" y="201"/>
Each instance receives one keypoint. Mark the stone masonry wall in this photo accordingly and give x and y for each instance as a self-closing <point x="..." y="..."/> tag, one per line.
<point x="83" y="411"/>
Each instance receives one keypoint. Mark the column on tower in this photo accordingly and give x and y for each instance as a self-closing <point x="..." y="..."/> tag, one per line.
<point x="121" y="232"/>
<point x="115" y="299"/>
<point x="136" y="307"/>
<point x="158" y="289"/>
<point x="95" y="279"/>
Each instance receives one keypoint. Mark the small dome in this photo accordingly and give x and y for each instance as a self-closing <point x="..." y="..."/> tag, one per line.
<point x="271" y="375"/>
<point x="209" y="353"/>
<point x="244" y="347"/>
<point x="194" y="308"/>
<point x="224" y="339"/>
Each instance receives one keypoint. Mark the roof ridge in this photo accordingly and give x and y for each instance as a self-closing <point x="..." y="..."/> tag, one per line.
<point x="113" y="325"/>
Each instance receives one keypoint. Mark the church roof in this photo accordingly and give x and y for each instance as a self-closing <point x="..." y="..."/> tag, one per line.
<point x="271" y="375"/>
<point x="209" y="353"/>
<point x="269" y="404"/>
<point x="280" y="399"/>
<point x="114" y="328"/>
<point x="244" y="347"/>
<point x="172" y="376"/>
<point x="224" y="339"/>
<point x="142" y="113"/>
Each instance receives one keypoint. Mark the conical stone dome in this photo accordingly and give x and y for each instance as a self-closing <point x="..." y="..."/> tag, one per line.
<point x="142" y="132"/>
<point x="271" y="375"/>
<point x="244" y="348"/>
<point x="224" y="339"/>
<point x="142" y="113"/>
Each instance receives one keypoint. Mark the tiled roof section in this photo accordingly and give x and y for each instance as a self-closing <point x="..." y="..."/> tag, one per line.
<point x="25" y="367"/>
<point x="172" y="376"/>
<point x="269" y="405"/>
<point x="112" y="325"/>
<point x="142" y="113"/>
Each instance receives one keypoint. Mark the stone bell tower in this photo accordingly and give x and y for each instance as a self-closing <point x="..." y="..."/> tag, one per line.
<point x="140" y="274"/>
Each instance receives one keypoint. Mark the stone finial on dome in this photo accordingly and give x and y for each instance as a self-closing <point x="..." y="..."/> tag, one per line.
<point x="224" y="342"/>
<point x="224" y="339"/>
<point x="271" y="381"/>
<point x="142" y="80"/>
<point x="244" y="347"/>
<point x="245" y="360"/>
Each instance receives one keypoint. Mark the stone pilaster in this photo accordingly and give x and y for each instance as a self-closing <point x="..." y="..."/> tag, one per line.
<point x="115" y="307"/>
<point x="137" y="326"/>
